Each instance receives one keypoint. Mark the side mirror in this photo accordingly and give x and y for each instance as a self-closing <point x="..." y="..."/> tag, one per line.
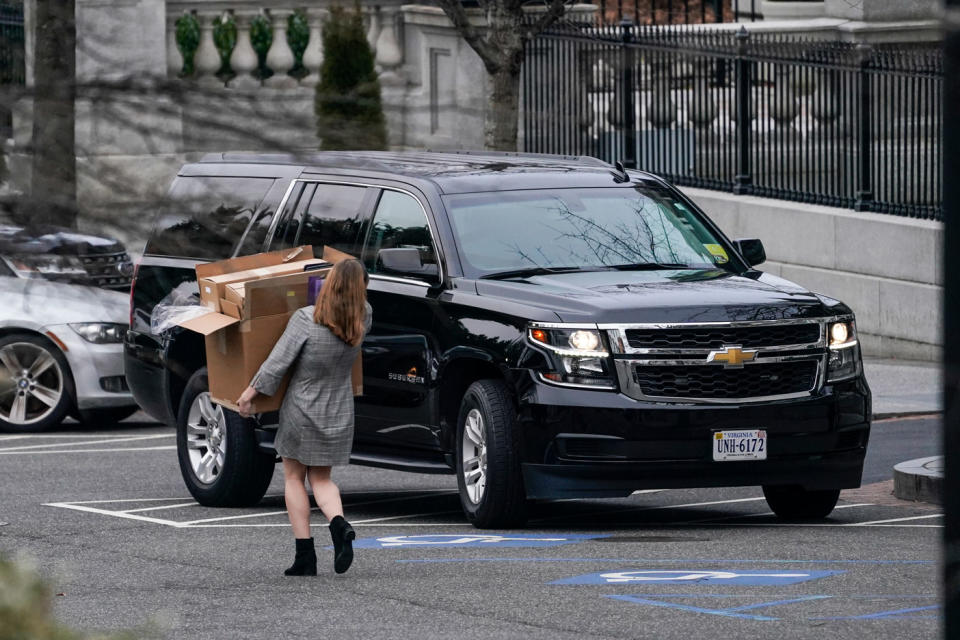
<point x="752" y="251"/>
<point x="405" y="262"/>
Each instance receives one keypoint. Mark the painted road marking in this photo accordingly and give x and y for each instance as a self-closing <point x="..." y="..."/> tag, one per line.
<point x="881" y="522"/>
<point x="474" y="540"/>
<point x="730" y="612"/>
<point x="767" y="513"/>
<point x="648" y="508"/>
<point x="86" y="443"/>
<point x="119" y="450"/>
<point x="687" y="576"/>
<point x="665" y="560"/>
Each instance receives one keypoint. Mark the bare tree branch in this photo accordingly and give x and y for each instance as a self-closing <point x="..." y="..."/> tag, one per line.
<point x="458" y="16"/>
<point x="555" y="10"/>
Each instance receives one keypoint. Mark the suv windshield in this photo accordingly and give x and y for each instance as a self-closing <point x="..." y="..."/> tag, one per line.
<point x="507" y="233"/>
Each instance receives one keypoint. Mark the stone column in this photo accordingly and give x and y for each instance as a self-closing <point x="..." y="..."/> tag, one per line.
<point x="174" y="59"/>
<point x="207" y="59"/>
<point x="313" y="56"/>
<point x="373" y="30"/>
<point x="279" y="57"/>
<point x="389" y="57"/>
<point x="243" y="60"/>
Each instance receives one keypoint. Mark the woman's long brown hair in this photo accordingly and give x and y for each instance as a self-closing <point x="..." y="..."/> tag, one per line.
<point x="341" y="305"/>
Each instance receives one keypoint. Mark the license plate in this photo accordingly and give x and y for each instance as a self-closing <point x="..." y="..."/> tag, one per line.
<point x="740" y="445"/>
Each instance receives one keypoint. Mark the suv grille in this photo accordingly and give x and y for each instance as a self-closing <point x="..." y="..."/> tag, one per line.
<point x="715" y="382"/>
<point x="715" y="338"/>
<point x="107" y="270"/>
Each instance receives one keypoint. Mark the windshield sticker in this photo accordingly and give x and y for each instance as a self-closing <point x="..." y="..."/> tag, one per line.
<point x="720" y="256"/>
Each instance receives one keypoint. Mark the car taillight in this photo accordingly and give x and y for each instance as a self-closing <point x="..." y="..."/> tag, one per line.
<point x="133" y="285"/>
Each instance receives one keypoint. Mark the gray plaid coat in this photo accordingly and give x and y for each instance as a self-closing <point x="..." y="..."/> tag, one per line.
<point x="316" y="417"/>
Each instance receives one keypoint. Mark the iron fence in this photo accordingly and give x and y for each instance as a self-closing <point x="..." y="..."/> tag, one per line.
<point x="814" y="121"/>
<point x="11" y="43"/>
<point x="12" y="69"/>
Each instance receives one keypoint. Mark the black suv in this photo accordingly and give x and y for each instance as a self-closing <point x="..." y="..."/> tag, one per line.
<point x="544" y="327"/>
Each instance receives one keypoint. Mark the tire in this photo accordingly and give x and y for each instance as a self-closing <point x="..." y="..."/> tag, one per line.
<point x="490" y="481"/>
<point x="105" y="417"/>
<point x="797" y="503"/>
<point x="217" y="450"/>
<point x="36" y="386"/>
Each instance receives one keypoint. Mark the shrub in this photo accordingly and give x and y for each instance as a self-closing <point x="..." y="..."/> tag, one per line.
<point x="26" y="611"/>
<point x="348" y="107"/>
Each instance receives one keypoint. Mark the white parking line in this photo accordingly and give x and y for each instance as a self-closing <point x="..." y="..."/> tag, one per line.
<point x="409" y="515"/>
<point x="765" y="513"/>
<point x="93" y="434"/>
<point x="115" y="514"/>
<point x="86" y="444"/>
<point x="162" y="507"/>
<point x="648" y="508"/>
<point x="37" y="453"/>
<point x="878" y="522"/>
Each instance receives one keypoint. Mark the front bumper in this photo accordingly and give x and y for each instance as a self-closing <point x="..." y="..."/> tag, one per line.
<point x="580" y="443"/>
<point x="91" y="365"/>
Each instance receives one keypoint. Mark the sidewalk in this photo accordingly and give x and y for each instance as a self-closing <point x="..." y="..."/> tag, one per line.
<point x="902" y="388"/>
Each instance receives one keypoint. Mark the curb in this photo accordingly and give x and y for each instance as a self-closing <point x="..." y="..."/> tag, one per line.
<point x="906" y="414"/>
<point x="919" y="480"/>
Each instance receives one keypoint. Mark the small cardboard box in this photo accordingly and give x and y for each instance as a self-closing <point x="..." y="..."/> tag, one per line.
<point x="255" y="297"/>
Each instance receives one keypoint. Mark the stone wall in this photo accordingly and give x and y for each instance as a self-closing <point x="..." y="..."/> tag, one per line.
<point x="887" y="268"/>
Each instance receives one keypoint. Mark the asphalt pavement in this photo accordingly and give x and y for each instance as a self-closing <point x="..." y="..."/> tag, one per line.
<point x="106" y="518"/>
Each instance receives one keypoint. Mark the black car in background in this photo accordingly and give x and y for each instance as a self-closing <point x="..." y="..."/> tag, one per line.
<point x="544" y="327"/>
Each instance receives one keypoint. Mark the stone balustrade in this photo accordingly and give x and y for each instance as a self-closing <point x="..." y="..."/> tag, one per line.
<point x="384" y="23"/>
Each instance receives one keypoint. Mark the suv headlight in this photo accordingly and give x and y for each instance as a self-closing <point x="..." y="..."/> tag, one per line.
<point x="100" y="332"/>
<point x="844" y="359"/>
<point x="47" y="265"/>
<point x="579" y="356"/>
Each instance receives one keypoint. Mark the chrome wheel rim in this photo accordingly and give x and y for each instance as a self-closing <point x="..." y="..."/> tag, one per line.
<point x="31" y="383"/>
<point x="474" y="456"/>
<point x="206" y="438"/>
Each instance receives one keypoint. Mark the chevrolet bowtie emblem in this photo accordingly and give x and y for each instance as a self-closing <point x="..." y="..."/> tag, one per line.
<point x="732" y="356"/>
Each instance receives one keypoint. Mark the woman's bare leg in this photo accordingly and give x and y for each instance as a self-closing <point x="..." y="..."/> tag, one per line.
<point x="325" y="492"/>
<point x="295" y="495"/>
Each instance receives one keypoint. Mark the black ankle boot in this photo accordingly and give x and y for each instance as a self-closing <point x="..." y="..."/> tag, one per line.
<point x="305" y="562"/>
<point x="343" y="536"/>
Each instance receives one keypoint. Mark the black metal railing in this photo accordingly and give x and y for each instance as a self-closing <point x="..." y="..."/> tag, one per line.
<point x="823" y="122"/>
<point x="12" y="69"/>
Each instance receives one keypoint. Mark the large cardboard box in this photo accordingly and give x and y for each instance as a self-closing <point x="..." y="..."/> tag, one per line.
<point x="251" y="300"/>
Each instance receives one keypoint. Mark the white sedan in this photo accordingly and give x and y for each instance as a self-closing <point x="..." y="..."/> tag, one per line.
<point x="61" y="353"/>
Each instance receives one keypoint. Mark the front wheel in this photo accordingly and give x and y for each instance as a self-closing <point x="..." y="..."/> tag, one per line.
<point x="217" y="450"/>
<point x="488" y="458"/>
<point x="797" y="503"/>
<point x="36" y="390"/>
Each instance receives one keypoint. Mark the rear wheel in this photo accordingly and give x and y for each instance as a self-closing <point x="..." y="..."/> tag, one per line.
<point x="488" y="457"/>
<point x="217" y="450"/>
<point x="35" y="384"/>
<point x="797" y="503"/>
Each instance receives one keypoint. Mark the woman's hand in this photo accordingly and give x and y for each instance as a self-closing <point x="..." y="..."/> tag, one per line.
<point x="245" y="403"/>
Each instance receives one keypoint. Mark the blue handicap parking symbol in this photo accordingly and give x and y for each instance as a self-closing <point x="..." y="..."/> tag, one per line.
<point x="474" y="540"/>
<point x="656" y="576"/>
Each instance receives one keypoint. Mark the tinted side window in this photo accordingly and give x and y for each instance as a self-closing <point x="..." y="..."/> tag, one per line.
<point x="400" y="223"/>
<point x="204" y="217"/>
<point x="333" y="218"/>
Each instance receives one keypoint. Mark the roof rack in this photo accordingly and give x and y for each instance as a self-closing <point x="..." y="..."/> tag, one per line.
<point x="587" y="160"/>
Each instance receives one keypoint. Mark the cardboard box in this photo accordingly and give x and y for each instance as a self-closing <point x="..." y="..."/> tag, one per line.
<point x="214" y="277"/>
<point x="254" y="297"/>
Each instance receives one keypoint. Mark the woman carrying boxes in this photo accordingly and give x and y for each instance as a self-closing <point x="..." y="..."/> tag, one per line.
<point x="319" y="346"/>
